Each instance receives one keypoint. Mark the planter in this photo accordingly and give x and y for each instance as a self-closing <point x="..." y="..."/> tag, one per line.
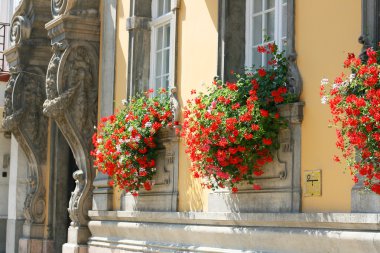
<point x="164" y="193"/>
<point x="363" y="201"/>
<point x="280" y="184"/>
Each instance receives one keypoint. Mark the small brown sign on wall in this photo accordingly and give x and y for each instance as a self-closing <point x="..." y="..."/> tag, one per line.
<point x="313" y="183"/>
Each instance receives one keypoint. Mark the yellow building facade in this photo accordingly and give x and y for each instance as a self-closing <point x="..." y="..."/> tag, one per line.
<point x="92" y="54"/>
<point x="322" y="45"/>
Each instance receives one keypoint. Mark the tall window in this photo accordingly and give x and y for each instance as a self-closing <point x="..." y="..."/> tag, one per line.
<point x="163" y="39"/>
<point x="266" y="22"/>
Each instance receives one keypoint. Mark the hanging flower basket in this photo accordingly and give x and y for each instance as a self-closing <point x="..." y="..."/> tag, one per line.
<point x="126" y="142"/>
<point x="232" y="130"/>
<point x="355" y="107"/>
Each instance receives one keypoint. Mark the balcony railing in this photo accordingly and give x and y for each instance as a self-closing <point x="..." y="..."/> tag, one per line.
<point x="4" y="28"/>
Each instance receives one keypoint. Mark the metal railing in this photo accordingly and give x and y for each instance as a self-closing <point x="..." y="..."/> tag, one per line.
<point x="4" y="27"/>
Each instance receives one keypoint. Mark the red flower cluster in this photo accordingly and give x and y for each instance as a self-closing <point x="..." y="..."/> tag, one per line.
<point x="125" y="145"/>
<point x="232" y="131"/>
<point x="355" y="108"/>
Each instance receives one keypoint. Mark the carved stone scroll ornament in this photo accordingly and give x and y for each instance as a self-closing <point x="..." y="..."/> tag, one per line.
<point x="24" y="96"/>
<point x="59" y="7"/>
<point x="20" y="30"/>
<point x="71" y="87"/>
<point x="71" y="7"/>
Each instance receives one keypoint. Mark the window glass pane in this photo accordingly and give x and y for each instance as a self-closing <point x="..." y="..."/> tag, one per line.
<point x="167" y="36"/>
<point x="284" y="43"/>
<point x="165" y="66"/>
<point x="160" y="32"/>
<point x="257" y="30"/>
<point x="270" y="24"/>
<point x="256" y="58"/>
<point x="163" y="7"/>
<point x="157" y="85"/>
<point x="257" y="6"/>
<point x="167" y="6"/>
<point x="165" y="82"/>
<point x="160" y="7"/>
<point x="284" y="20"/>
<point x="158" y="64"/>
<point x="284" y="1"/>
<point x="270" y="4"/>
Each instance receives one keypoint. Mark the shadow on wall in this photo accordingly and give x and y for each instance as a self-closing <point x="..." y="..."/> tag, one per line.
<point x="212" y="5"/>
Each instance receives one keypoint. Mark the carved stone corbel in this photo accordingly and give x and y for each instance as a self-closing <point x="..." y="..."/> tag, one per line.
<point x="72" y="99"/>
<point x="72" y="91"/>
<point x="24" y="96"/>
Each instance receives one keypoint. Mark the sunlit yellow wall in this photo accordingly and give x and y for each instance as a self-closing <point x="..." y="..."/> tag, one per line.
<point x="325" y="31"/>
<point x="121" y="65"/>
<point x="197" y="64"/>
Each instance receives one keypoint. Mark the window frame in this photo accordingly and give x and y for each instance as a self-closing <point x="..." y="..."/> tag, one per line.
<point x="278" y="29"/>
<point x="157" y="22"/>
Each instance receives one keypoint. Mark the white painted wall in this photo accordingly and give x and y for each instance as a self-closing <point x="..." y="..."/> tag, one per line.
<point x="17" y="194"/>
<point x="4" y="168"/>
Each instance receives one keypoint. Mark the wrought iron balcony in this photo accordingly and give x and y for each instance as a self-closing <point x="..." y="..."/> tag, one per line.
<point x="4" y="30"/>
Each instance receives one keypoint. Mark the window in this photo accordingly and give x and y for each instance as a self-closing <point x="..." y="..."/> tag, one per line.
<point x="264" y="19"/>
<point x="162" y="45"/>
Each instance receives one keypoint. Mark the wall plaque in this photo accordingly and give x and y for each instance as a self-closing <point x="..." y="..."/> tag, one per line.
<point x="313" y="184"/>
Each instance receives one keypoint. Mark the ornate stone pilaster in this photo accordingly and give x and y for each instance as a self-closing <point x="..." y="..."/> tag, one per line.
<point x="72" y="100"/>
<point x="23" y="116"/>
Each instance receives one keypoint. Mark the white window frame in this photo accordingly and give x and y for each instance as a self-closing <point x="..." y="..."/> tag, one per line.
<point x="156" y="23"/>
<point x="278" y="30"/>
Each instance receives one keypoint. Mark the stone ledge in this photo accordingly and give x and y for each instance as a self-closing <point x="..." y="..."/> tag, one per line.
<point x="124" y="232"/>
<point x="350" y="221"/>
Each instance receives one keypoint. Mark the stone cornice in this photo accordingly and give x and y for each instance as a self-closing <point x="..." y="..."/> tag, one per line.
<point x="74" y="28"/>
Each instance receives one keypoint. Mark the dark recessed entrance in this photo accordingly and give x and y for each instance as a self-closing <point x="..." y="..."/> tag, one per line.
<point x="61" y="185"/>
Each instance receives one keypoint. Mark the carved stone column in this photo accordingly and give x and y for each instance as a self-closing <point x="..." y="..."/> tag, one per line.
<point x="71" y="100"/>
<point x="24" y="97"/>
